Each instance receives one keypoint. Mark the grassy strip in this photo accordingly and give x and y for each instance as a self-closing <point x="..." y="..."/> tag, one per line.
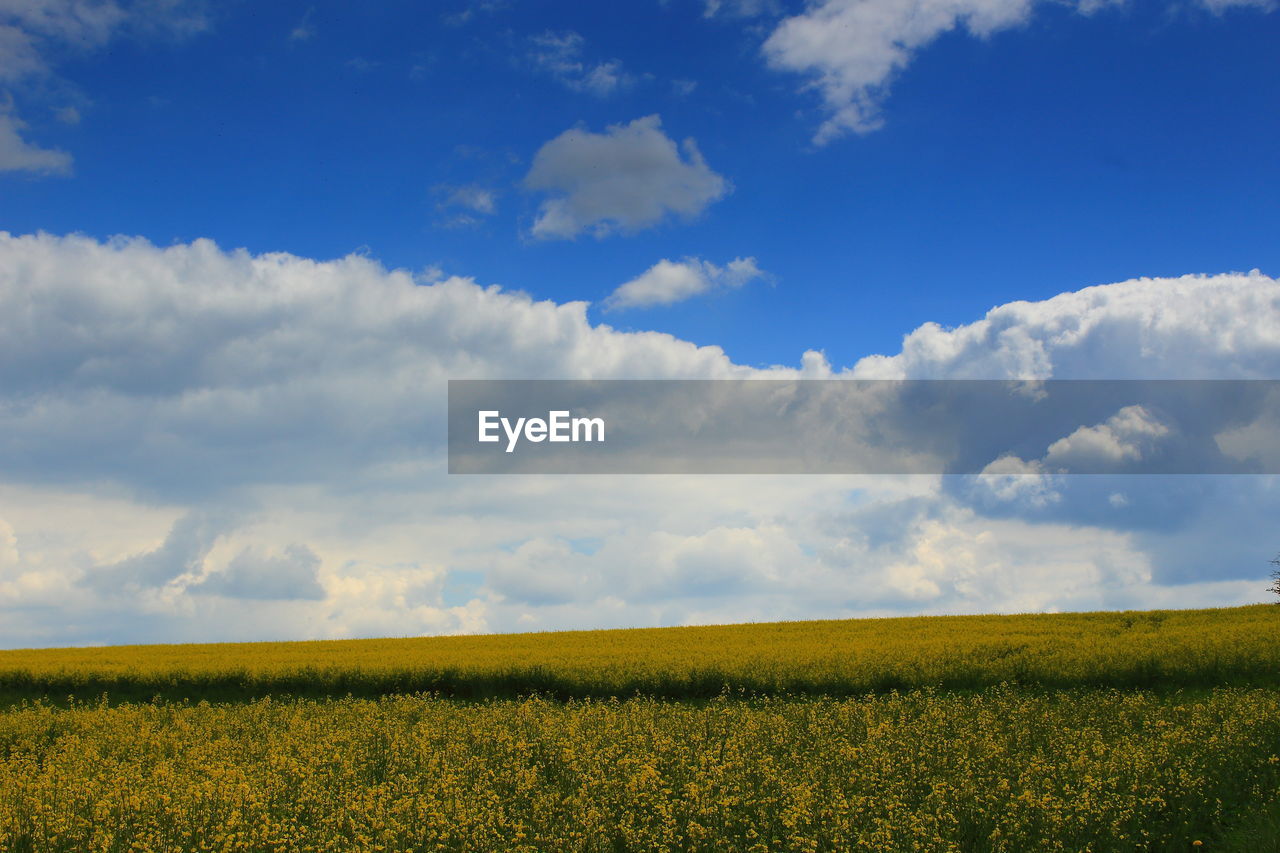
<point x="1256" y="833"/>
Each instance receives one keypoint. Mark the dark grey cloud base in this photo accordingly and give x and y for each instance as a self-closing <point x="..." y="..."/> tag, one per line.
<point x="998" y="427"/>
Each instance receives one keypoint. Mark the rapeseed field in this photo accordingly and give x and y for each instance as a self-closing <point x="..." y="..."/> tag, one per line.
<point x="1106" y="732"/>
<point x="998" y="770"/>
<point x="1189" y="648"/>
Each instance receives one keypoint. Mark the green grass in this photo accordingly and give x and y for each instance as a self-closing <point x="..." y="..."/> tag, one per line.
<point x="1256" y="833"/>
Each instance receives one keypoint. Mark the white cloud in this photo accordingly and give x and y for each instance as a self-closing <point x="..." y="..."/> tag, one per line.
<point x="560" y="55"/>
<point x="175" y="421"/>
<point x="630" y="177"/>
<point x="1194" y="327"/>
<point x="851" y="50"/>
<point x="668" y="282"/>
<point x="1011" y="479"/>
<point x="1126" y="436"/>
<point x="29" y="27"/>
<point x="191" y="350"/>
<point x="32" y="31"/>
<point x="19" y="155"/>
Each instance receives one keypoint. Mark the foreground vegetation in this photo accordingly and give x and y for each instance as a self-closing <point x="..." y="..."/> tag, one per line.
<point x="1100" y="732"/>
<point x="997" y="770"/>
<point x="1155" y="649"/>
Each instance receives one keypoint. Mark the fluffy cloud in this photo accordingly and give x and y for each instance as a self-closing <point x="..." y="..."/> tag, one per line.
<point x="175" y="421"/>
<point x="851" y="50"/>
<point x="1194" y="327"/>
<point x="630" y="177"/>
<point x="187" y="371"/>
<point x="667" y="282"/>
<point x="1126" y="435"/>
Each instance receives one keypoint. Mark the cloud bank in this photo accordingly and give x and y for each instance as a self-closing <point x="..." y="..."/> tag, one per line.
<point x="201" y="444"/>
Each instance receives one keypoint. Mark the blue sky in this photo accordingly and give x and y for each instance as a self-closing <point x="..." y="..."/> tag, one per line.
<point x="204" y="443"/>
<point x="1059" y="151"/>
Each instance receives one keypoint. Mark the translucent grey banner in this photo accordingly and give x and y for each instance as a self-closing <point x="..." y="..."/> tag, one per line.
<point x="844" y="426"/>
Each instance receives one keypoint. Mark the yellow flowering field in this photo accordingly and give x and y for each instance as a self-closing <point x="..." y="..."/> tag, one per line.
<point x="1002" y="769"/>
<point x="1140" y="731"/>
<point x="1190" y="648"/>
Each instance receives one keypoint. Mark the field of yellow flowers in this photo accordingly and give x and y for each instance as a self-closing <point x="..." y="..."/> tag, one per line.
<point x="1099" y="732"/>
<point x="1158" y="649"/>
<point x="997" y="770"/>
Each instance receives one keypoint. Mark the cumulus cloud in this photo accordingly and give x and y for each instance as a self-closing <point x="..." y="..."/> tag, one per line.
<point x="174" y="420"/>
<point x="1194" y="327"/>
<point x="1126" y="436"/>
<point x="630" y="177"/>
<point x="131" y="362"/>
<point x="851" y="50"/>
<point x="668" y="282"/>
<point x="560" y="55"/>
